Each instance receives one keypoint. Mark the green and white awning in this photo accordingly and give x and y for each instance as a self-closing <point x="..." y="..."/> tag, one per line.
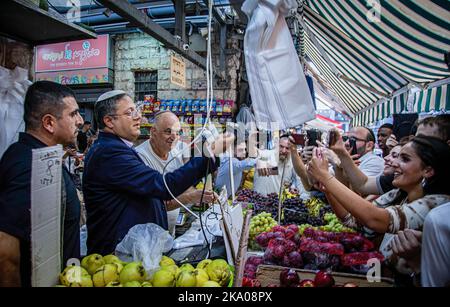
<point x="434" y="99"/>
<point x="383" y="109"/>
<point x="368" y="53"/>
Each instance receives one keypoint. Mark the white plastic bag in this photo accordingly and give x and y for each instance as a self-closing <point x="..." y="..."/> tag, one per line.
<point x="83" y="240"/>
<point x="145" y="243"/>
<point x="194" y="236"/>
<point x="280" y="93"/>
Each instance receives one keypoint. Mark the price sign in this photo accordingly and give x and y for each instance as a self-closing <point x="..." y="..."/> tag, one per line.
<point x="177" y="71"/>
<point x="46" y="172"/>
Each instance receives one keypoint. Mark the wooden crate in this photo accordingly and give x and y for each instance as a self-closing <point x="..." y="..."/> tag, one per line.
<point x="270" y="274"/>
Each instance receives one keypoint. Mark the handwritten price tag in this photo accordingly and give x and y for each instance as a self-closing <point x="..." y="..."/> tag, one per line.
<point x="46" y="172"/>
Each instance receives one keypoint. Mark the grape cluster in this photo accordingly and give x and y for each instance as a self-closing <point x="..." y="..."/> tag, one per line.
<point x="314" y="205"/>
<point x="302" y="227"/>
<point x="262" y="222"/>
<point x="333" y="224"/>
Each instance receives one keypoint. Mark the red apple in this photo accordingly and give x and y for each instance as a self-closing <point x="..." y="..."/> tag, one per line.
<point x="289" y="278"/>
<point x="323" y="279"/>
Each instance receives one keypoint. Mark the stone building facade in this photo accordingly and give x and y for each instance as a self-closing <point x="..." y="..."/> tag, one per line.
<point x="141" y="52"/>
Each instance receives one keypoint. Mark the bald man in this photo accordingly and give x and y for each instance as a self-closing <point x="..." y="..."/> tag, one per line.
<point x="364" y="140"/>
<point x="162" y="146"/>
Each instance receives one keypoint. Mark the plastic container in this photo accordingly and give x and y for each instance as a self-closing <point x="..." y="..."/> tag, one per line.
<point x="195" y="106"/>
<point x="202" y="106"/>
<point x="175" y="105"/>
<point x="228" y="106"/>
<point x="156" y="106"/>
<point x="219" y="106"/>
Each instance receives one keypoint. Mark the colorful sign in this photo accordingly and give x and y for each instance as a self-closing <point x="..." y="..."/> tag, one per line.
<point x="88" y="76"/>
<point x="177" y="71"/>
<point x="82" y="54"/>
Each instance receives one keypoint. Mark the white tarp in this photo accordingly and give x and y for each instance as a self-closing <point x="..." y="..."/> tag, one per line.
<point x="277" y="82"/>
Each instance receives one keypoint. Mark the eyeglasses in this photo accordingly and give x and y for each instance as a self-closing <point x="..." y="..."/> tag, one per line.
<point x="169" y="131"/>
<point x="353" y="139"/>
<point x="130" y="113"/>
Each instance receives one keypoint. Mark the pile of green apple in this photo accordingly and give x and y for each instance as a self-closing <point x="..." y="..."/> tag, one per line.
<point x="207" y="273"/>
<point x="107" y="271"/>
<point x="110" y="271"/>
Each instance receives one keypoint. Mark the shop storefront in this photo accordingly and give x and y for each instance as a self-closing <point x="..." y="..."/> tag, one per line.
<point x="85" y="66"/>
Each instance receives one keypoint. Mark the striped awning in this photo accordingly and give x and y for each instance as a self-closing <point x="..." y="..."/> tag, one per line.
<point x="383" y="109"/>
<point x="434" y="99"/>
<point x="367" y="58"/>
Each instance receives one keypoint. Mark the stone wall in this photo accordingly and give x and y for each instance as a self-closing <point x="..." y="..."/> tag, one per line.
<point x="140" y="52"/>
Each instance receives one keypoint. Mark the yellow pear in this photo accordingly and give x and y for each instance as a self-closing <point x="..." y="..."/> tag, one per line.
<point x="165" y="261"/>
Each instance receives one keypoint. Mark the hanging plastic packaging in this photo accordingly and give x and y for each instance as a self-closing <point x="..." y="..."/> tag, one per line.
<point x="280" y="93"/>
<point x="13" y="87"/>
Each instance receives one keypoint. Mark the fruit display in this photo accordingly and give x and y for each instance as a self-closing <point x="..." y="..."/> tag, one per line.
<point x="207" y="273"/>
<point x="99" y="271"/>
<point x="333" y="224"/>
<point x="313" y="212"/>
<point x="260" y="203"/>
<point x="262" y="222"/>
<point x="293" y="279"/>
<point x="313" y="249"/>
<point x="110" y="271"/>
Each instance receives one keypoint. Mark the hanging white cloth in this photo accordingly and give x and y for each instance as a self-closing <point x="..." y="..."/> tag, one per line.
<point x="277" y="82"/>
<point x="13" y="87"/>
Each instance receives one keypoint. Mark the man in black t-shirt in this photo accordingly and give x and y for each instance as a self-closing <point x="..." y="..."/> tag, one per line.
<point x="51" y="117"/>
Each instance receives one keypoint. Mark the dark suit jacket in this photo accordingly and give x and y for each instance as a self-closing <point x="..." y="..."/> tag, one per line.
<point x="120" y="191"/>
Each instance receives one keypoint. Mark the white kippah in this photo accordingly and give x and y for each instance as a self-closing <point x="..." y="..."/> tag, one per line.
<point x="110" y="94"/>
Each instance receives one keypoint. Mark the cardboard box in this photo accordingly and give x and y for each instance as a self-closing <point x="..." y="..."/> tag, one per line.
<point x="270" y="274"/>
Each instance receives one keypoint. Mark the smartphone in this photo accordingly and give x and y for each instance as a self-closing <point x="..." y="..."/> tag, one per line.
<point x="299" y="139"/>
<point x="332" y="137"/>
<point x="313" y="136"/>
<point x="273" y="171"/>
<point x="352" y="142"/>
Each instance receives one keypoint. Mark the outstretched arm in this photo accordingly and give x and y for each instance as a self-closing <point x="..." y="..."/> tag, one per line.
<point x="300" y="167"/>
<point x="367" y="214"/>
<point x="353" y="175"/>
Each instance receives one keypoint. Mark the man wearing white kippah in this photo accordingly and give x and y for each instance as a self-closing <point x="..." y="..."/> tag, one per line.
<point x="161" y="150"/>
<point x="120" y="190"/>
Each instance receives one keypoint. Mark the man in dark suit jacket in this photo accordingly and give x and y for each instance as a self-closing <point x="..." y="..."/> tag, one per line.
<point x="120" y="191"/>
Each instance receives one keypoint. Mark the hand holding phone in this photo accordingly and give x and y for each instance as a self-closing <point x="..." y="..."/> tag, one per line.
<point x="333" y="137"/>
<point x="352" y="142"/>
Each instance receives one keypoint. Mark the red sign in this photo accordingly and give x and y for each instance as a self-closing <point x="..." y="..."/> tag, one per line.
<point x="82" y="54"/>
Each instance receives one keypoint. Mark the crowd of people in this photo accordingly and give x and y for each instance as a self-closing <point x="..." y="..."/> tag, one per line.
<point x="401" y="200"/>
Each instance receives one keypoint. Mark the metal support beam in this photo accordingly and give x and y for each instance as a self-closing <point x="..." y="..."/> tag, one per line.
<point x="215" y="14"/>
<point x="180" y="19"/>
<point x="130" y="13"/>
<point x="223" y="45"/>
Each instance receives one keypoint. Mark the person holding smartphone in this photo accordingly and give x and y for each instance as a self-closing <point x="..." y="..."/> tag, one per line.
<point x="267" y="180"/>
<point x="361" y="142"/>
